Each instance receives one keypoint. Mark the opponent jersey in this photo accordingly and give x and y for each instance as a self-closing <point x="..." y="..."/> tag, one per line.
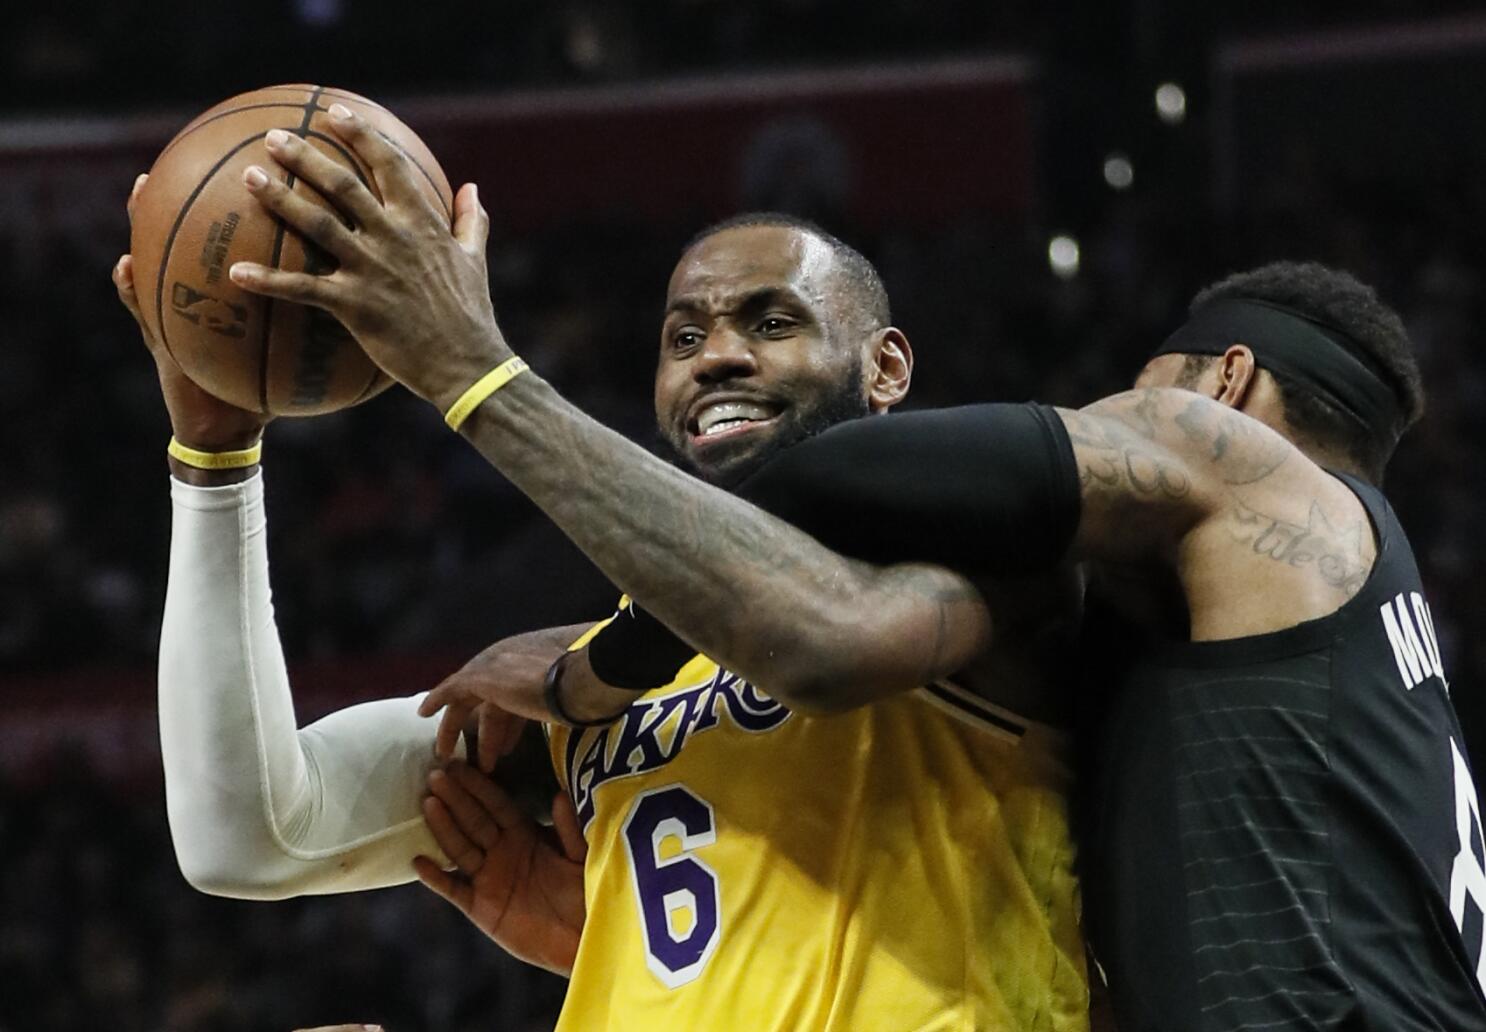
<point x="903" y="866"/>
<point x="1283" y="832"/>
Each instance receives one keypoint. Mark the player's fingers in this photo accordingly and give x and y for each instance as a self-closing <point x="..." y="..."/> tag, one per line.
<point x="494" y="733"/>
<point x="301" y="287"/>
<point x="436" y="699"/>
<point x="457" y="846"/>
<point x="565" y="823"/>
<point x="451" y="726"/>
<point x="447" y="884"/>
<point x="311" y="220"/>
<point x="337" y="183"/>
<point x="139" y="182"/>
<point x="515" y="727"/>
<point x="492" y="800"/>
<point x="389" y="166"/>
<point x="471" y="221"/>
<point x="123" y="277"/>
<point x="467" y="809"/>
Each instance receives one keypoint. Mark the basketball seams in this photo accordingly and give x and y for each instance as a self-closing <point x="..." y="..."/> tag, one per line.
<point x="316" y="93"/>
<point x="204" y="122"/>
<point x="204" y="191"/>
<point x="175" y="228"/>
<point x="310" y="107"/>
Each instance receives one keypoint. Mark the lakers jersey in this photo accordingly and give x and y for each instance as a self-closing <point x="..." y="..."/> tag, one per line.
<point x="903" y="866"/>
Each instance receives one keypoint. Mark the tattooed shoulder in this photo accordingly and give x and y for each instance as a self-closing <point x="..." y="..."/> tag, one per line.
<point x="1242" y="450"/>
<point x="1117" y="450"/>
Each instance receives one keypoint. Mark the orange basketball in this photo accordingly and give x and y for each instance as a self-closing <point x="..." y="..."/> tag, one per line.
<point x="194" y="218"/>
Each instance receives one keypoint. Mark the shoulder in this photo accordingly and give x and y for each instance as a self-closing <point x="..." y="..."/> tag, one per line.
<point x="1178" y="442"/>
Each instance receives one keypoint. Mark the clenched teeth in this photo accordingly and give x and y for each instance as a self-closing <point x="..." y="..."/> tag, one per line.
<point x="726" y="414"/>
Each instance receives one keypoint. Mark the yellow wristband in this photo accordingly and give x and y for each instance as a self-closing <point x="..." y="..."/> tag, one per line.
<point x="215" y="459"/>
<point x="483" y="388"/>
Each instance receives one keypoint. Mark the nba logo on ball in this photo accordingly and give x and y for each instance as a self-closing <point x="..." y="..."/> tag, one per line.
<point x="194" y="218"/>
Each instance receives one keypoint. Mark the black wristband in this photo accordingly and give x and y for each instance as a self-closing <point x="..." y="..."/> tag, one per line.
<point x="553" y="699"/>
<point x="636" y="651"/>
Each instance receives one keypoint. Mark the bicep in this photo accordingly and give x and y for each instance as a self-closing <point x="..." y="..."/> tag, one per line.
<point x="1149" y="471"/>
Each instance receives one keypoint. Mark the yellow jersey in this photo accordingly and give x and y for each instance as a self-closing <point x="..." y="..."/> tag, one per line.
<point x="903" y="866"/>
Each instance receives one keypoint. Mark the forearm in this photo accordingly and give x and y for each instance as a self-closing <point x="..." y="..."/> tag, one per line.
<point x="258" y="808"/>
<point x="755" y="594"/>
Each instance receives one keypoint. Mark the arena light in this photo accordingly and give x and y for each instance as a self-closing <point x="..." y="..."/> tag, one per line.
<point x="1171" y="103"/>
<point x="1062" y="256"/>
<point x="1118" y="172"/>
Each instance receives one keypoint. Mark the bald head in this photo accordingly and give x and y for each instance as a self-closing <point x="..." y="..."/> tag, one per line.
<point x="851" y="283"/>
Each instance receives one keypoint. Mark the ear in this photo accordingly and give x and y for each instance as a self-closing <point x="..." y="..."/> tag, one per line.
<point x="1237" y="370"/>
<point x="890" y="368"/>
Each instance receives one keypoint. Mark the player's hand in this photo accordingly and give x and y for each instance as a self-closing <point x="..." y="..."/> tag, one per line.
<point x="498" y="691"/>
<point x="503" y="687"/>
<point x="519" y="883"/>
<point x="415" y="295"/>
<point x="197" y="419"/>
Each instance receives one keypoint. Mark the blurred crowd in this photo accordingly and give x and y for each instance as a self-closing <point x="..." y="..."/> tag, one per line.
<point x="74" y="53"/>
<point x="97" y="931"/>
<point x="389" y="535"/>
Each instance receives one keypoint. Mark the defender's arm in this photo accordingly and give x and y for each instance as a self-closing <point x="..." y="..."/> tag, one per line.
<point x="1259" y="535"/>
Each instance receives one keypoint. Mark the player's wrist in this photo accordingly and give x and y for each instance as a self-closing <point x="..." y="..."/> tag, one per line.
<point x="576" y="697"/>
<point x="204" y="437"/>
<point x="230" y="462"/>
<point x="471" y="389"/>
<point x="210" y="477"/>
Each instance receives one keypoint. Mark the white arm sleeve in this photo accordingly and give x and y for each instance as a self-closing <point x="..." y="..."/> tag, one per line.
<point x="259" y="809"/>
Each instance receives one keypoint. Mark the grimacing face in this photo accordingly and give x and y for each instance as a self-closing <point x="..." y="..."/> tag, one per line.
<point x="754" y="356"/>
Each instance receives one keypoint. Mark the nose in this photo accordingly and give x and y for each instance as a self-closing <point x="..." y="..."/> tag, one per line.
<point x="726" y="355"/>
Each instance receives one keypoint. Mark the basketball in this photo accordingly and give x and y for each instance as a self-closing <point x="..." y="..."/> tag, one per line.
<point x="195" y="218"/>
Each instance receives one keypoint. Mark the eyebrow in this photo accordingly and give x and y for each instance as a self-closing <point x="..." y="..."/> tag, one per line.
<point x="752" y="301"/>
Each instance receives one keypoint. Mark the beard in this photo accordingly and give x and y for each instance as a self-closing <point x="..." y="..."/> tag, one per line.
<point x="733" y="464"/>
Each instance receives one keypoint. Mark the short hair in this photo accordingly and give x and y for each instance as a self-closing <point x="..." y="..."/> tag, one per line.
<point x="1341" y="301"/>
<point x="860" y="277"/>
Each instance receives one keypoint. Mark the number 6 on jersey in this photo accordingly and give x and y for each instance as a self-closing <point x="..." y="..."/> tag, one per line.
<point x="680" y="907"/>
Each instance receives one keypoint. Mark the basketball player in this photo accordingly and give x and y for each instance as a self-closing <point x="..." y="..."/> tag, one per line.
<point x="1298" y="842"/>
<point x="1283" y="830"/>
<point x="1163" y="478"/>
<point x="940" y="818"/>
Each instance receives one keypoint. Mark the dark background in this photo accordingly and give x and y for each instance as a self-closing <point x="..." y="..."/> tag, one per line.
<point x="950" y="142"/>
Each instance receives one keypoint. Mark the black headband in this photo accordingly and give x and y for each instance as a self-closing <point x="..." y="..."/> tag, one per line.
<point x="1321" y="358"/>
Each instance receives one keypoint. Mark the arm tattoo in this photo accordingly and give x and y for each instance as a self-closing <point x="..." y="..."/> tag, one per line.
<point x="1116" y="455"/>
<point x="1334" y="552"/>
<point x="697" y="557"/>
<point x="1238" y="446"/>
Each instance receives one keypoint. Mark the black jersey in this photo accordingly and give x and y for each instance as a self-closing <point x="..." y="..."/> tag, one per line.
<point x="1281" y="831"/>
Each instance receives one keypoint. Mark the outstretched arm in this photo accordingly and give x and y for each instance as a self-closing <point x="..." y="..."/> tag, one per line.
<point x="747" y="589"/>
